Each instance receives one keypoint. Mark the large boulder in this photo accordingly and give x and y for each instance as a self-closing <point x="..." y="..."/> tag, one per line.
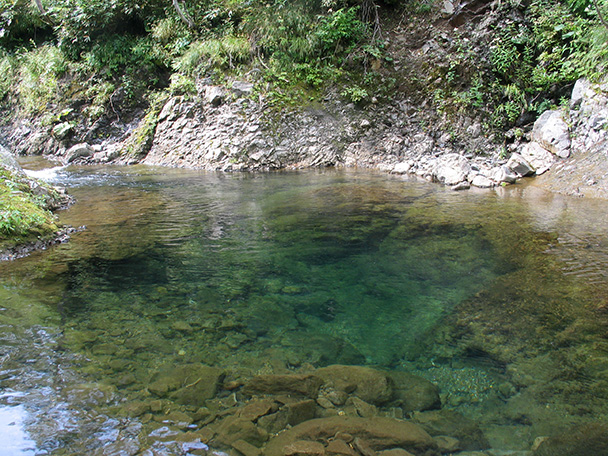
<point x="586" y="440"/>
<point x="413" y="393"/>
<point x="78" y="151"/>
<point x="371" y="385"/>
<point x="552" y="132"/>
<point x="451" y="169"/>
<point x="377" y="433"/>
<point x="538" y="157"/>
<point x="299" y="384"/>
<point x="187" y="384"/>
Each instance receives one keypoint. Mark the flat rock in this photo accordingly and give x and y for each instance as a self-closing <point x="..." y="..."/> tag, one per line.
<point x="379" y="433"/>
<point x="187" y="384"/>
<point x="368" y="384"/>
<point x="302" y="384"/>
<point x="453" y="424"/>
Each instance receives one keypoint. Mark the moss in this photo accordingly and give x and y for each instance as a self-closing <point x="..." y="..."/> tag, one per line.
<point x="25" y="214"/>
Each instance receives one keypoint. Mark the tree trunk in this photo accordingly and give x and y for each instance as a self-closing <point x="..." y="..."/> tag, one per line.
<point x="184" y="18"/>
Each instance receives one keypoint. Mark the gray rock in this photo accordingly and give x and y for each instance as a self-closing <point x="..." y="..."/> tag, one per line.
<point x="8" y="160"/>
<point x="538" y="157"/>
<point x="520" y="166"/>
<point x="401" y="168"/>
<point x="504" y="174"/>
<point x="78" y="151"/>
<point x="481" y="181"/>
<point x="579" y="92"/>
<point x="242" y="88"/>
<point x="451" y="169"/>
<point x="214" y="95"/>
<point x="552" y="132"/>
<point x="63" y="130"/>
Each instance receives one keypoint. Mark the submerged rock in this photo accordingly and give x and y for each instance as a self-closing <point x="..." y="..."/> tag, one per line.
<point x="377" y="433"/>
<point x="453" y="424"/>
<point x="187" y="384"/>
<point x="368" y="384"/>
<point x="585" y="440"/>
<point x="413" y="393"/>
<point x="300" y="384"/>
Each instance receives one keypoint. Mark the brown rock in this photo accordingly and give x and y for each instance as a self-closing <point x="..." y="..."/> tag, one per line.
<point x="339" y="447"/>
<point x="380" y="433"/>
<point x="256" y="409"/>
<point x="363" y="447"/>
<point x="449" y="422"/>
<point x="395" y="452"/>
<point x="304" y="448"/>
<point x="413" y="393"/>
<point x="187" y="384"/>
<point x="371" y="385"/>
<point x="235" y="428"/>
<point x="586" y="440"/>
<point x="447" y="444"/>
<point x="303" y="384"/>
<point x="362" y="408"/>
<point x="246" y="448"/>
<point x="301" y="411"/>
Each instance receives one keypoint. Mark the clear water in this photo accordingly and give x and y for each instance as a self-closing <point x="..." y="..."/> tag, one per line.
<point x="499" y="297"/>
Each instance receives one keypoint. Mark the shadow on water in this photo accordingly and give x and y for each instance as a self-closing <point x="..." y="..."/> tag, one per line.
<point x="496" y="296"/>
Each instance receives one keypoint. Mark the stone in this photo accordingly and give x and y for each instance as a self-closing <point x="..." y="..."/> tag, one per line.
<point x="339" y="447"/>
<point x="447" y="444"/>
<point x="362" y="408"/>
<point x="585" y="440"/>
<point x="579" y="92"/>
<point x="234" y="428"/>
<point x="63" y="130"/>
<point x="300" y="411"/>
<point x="454" y="424"/>
<point x="362" y="447"/>
<point x="379" y="433"/>
<point x="256" y="409"/>
<point x="538" y="157"/>
<point x="246" y="448"/>
<point x="78" y="151"/>
<point x="368" y="384"/>
<point x="303" y="384"/>
<point x="461" y="186"/>
<point x="187" y="384"/>
<point x="414" y="393"/>
<point x="451" y="169"/>
<point x="401" y="168"/>
<point x="520" y="166"/>
<point x="8" y="160"/>
<point x="552" y="132"/>
<point x="504" y="174"/>
<point x="304" y="448"/>
<point x="242" y="88"/>
<point x="214" y="95"/>
<point x="481" y="181"/>
<point x="395" y="452"/>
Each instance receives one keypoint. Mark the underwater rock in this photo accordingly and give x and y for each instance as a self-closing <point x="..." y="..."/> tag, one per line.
<point x="453" y="424"/>
<point x="234" y="428"/>
<point x="303" y="384"/>
<point x="187" y="384"/>
<point x="368" y="384"/>
<point x="378" y="433"/>
<point x="586" y="440"/>
<point x="304" y="448"/>
<point x="413" y="393"/>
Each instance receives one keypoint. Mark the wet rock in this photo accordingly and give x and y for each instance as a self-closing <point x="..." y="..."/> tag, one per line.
<point x="453" y="424"/>
<point x="246" y="448"/>
<point x="413" y="393"/>
<point x="304" y="448"/>
<point x="586" y="440"/>
<point x="361" y="408"/>
<point x="552" y="132"/>
<point x="339" y="447"/>
<point x="234" y="428"/>
<point x="187" y="384"/>
<point x="256" y="409"/>
<point x="481" y="181"/>
<point x="301" y="384"/>
<point x="91" y="394"/>
<point x="395" y="452"/>
<point x="504" y="174"/>
<point x="362" y="447"/>
<point x="447" y="444"/>
<point x="379" y="433"/>
<point x="368" y="384"/>
<point x="298" y="412"/>
<point x="78" y="151"/>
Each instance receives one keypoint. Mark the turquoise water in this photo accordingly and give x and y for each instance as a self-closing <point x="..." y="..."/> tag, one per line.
<point x="499" y="297"/>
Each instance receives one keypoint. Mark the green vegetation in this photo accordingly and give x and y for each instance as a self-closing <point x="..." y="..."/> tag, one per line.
<point x="24" y="213"/>
<point x="109" y="57"/>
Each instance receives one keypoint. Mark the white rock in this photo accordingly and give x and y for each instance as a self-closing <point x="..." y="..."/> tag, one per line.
<point x="79" y="150"/>
<point x="537" y="156"/>
<point x="401" y="168"/>
<point x="451" y="169"/>
<point x="552" y="132"/>
<point x="520" y="166"/>
<point x="482" y="181"/>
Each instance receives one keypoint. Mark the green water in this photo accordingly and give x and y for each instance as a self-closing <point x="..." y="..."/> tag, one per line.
<point x="499" y="297"/>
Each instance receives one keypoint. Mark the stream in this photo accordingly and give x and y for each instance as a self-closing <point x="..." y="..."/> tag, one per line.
<point x="499" y="297"/>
